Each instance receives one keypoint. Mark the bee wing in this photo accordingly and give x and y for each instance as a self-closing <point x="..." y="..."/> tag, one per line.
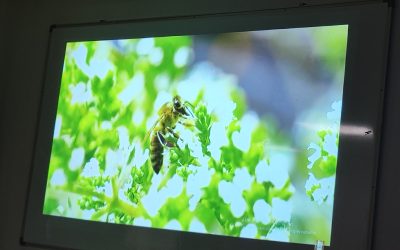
<point x="161" y="113"/>
<point x="152" y="128"/>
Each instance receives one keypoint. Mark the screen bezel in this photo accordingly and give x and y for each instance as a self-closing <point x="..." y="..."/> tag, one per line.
<point x="359" y="134"/>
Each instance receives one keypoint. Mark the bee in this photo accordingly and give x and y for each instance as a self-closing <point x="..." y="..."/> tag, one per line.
<point x="162" y="132"/>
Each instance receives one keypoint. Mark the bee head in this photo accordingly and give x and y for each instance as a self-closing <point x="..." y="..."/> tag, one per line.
<point x="178" y="105"/>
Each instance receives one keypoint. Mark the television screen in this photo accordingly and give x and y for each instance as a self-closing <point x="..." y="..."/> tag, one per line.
<point x="232" y="134"/>
<point x="251" y="130"/>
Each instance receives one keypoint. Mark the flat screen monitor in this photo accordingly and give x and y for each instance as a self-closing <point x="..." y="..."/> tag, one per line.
<point x="209" y="132"/>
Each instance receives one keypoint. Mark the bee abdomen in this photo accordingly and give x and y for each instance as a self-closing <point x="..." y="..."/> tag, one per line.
<point x="156" y="154"/>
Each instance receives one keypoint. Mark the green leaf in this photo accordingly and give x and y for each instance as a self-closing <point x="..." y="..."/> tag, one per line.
<point x="50" y="205"/>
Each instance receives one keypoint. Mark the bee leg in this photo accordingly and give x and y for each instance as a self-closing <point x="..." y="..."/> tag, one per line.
<point x="174" y="134"/>
<point x="188" y="109"/>
<point x="163" y="141"/>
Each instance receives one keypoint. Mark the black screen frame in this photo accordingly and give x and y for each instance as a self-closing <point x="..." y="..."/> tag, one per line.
<point x="359" y="135"/>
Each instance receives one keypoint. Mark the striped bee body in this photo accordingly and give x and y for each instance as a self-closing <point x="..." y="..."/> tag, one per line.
<point x="156" y="153"/>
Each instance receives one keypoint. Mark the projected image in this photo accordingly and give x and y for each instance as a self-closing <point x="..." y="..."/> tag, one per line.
<point x="232" y="134"/>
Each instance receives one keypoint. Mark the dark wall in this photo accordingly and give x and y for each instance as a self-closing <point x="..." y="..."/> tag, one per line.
<point x="387" y="214"/>
<point x="24" y="36"/>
